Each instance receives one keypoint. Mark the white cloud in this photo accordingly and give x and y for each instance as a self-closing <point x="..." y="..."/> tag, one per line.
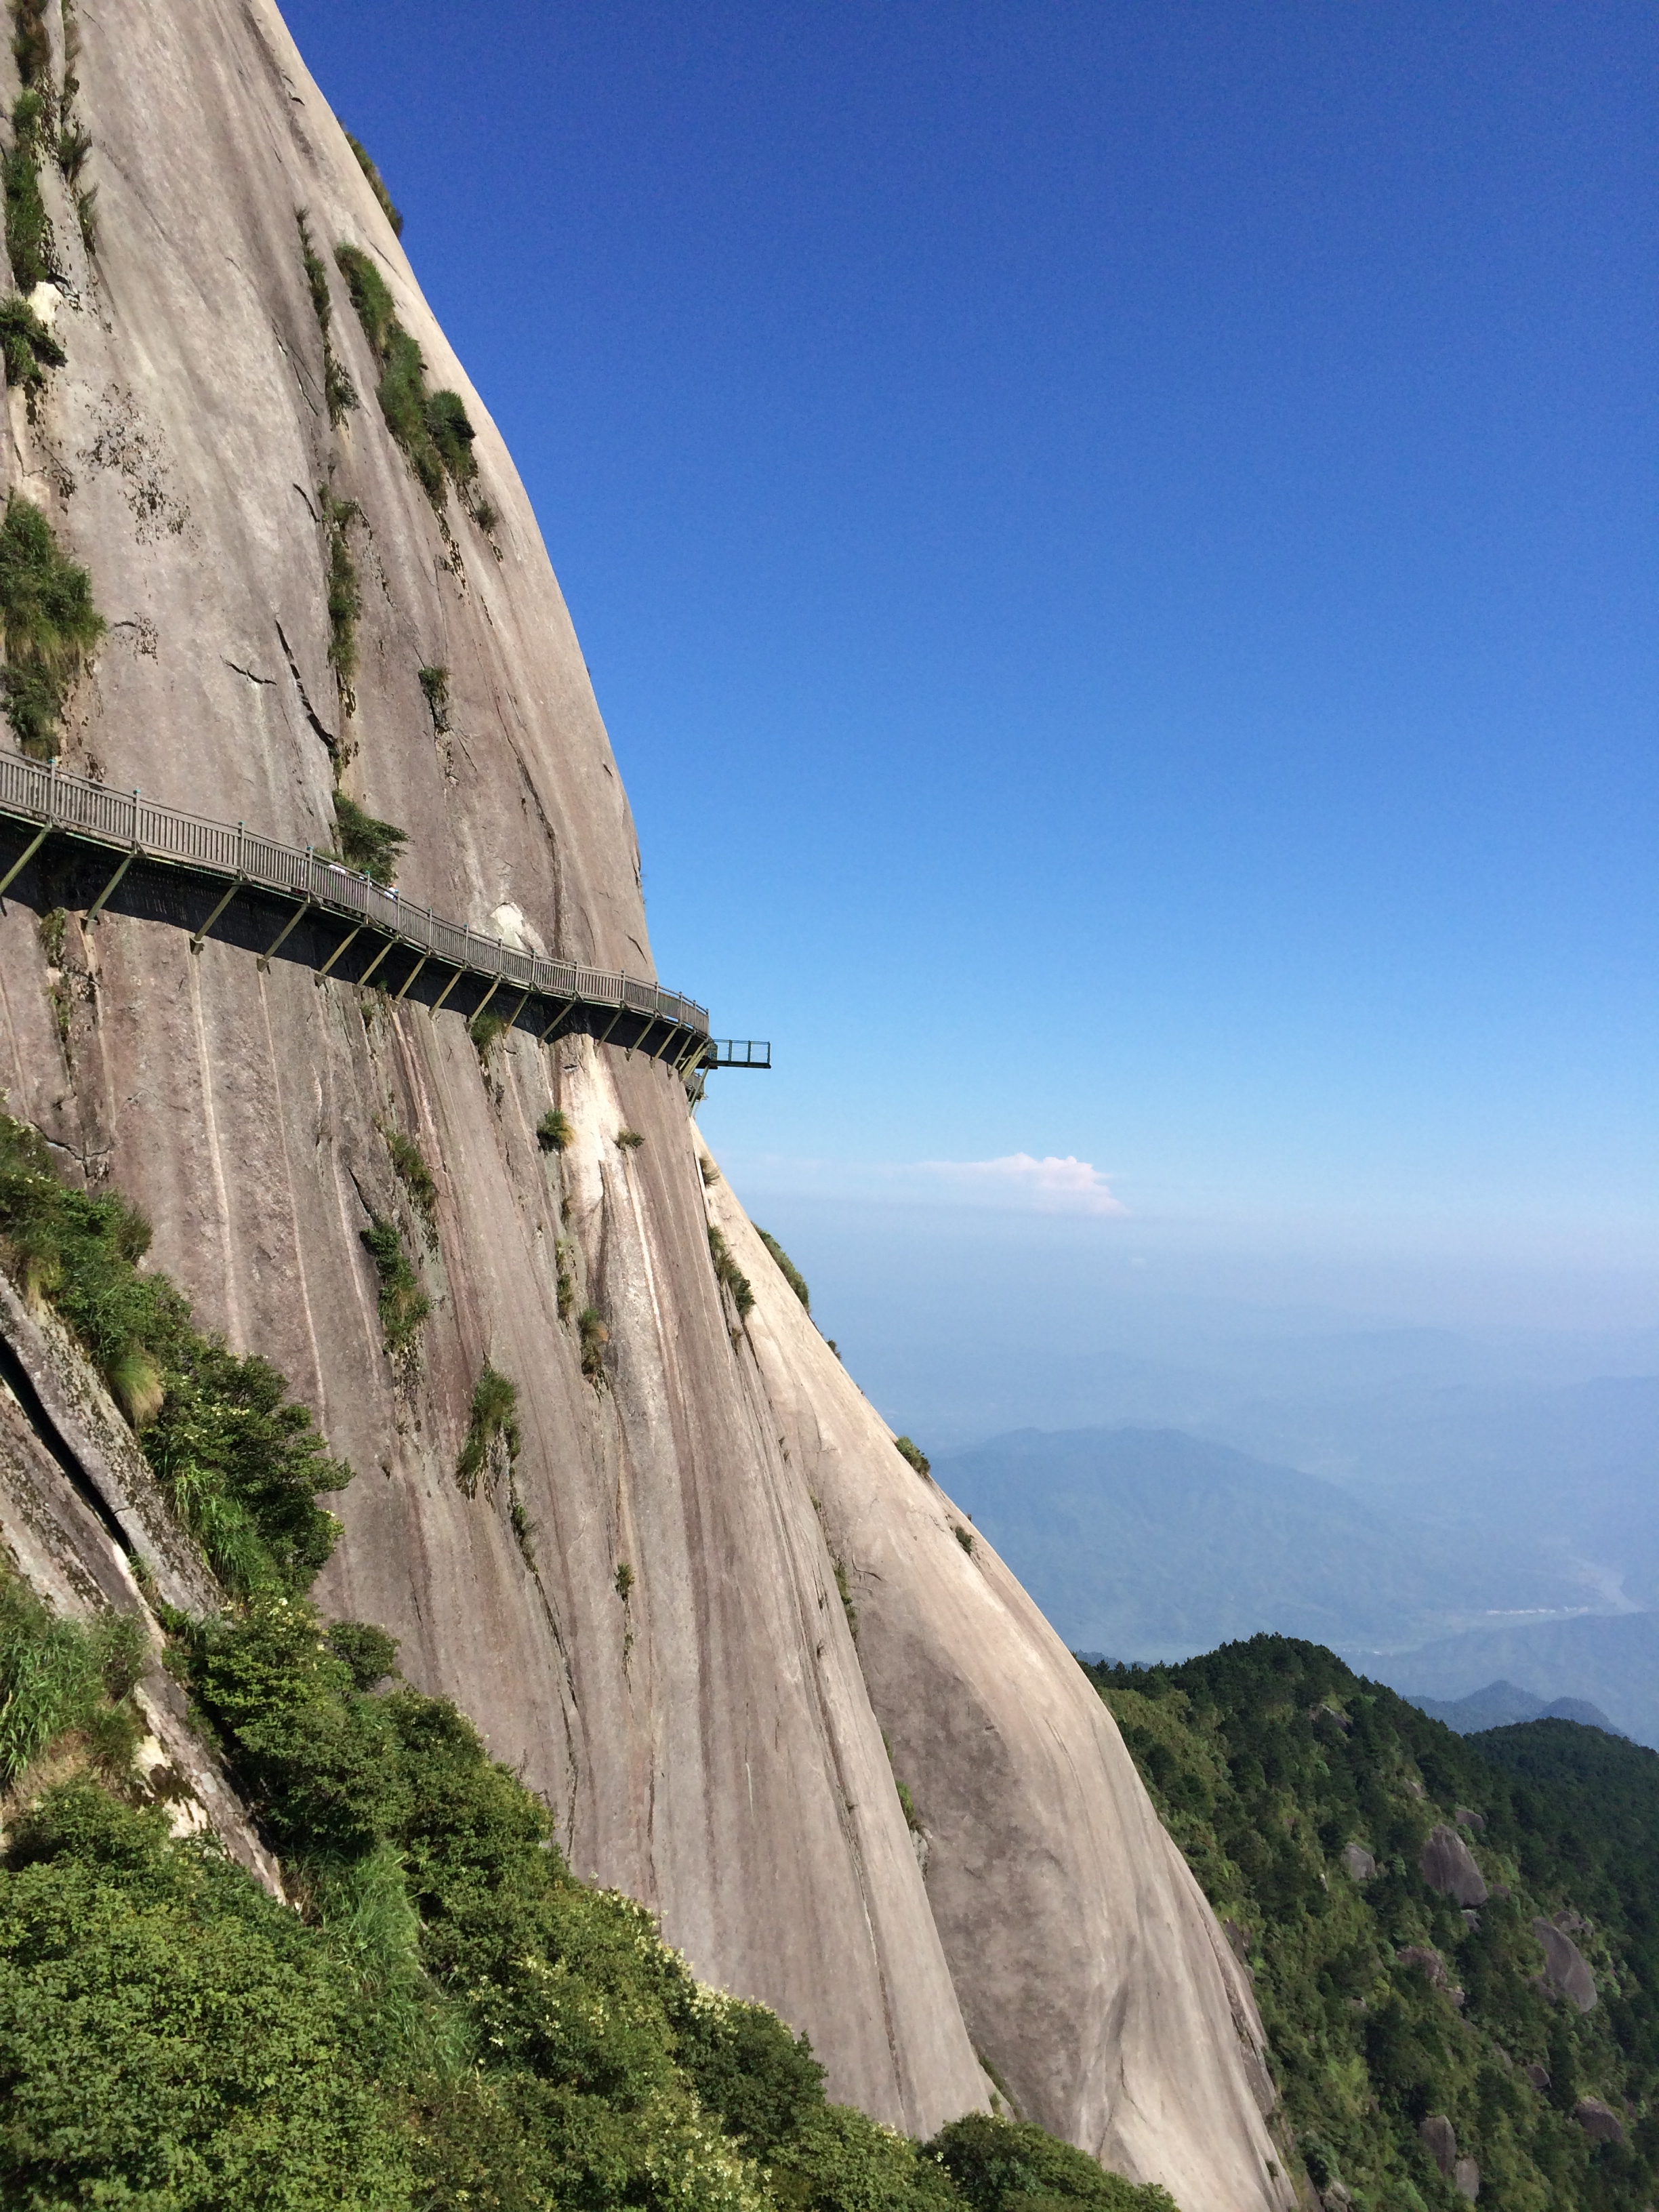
<point x="1047" y="1186"/>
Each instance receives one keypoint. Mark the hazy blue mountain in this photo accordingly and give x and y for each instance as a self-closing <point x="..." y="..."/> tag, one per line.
<point x="1155" y="1543"/>
<point x="1562" y="1476"/>
<point x="1500" y="1704"/>
<point x="1610" y="1660"/>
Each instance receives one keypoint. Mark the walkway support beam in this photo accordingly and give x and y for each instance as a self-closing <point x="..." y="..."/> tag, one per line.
<point x="350" y="938"/>
<point x="283" y="934"/>
<point x="196" y="941"/>
<point x="23" y="859"/>
<point x="97" y="906"/>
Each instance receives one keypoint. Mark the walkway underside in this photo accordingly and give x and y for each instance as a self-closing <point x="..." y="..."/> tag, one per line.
<point x="65" y="842"/>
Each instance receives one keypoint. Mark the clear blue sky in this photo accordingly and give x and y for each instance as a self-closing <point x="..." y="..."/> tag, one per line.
<point x="1117" y="546"/>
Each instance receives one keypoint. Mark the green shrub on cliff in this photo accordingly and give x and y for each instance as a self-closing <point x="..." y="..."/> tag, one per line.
<point x="48" y="623"/>
<point x="495" y="1415"/>
<point x="431" y="427"/>
<point x="377" y="183"/>
<point x="792" y="1274"/>
<point x="29" y="244"/>
<point x="241" y="1465"/>
<point x="999" y="2165"/>
<point x="403" y="1304"/>
<point x="29" y="348"/>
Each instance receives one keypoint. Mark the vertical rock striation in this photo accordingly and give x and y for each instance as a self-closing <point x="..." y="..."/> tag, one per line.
<point x="703" y="1723"/>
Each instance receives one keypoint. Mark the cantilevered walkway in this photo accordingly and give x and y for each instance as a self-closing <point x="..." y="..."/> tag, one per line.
<point x="67" y="841"/>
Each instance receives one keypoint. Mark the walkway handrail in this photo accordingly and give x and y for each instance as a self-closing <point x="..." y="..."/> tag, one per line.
<point x="41" y="793"/>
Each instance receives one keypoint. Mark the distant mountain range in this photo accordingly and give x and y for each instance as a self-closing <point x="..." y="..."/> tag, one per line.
<point x="1500" y="1704"/>
<point x="1611" y="1660"/>
<point x="1564" y="1475"/>
<point x="1155" y="1544"/>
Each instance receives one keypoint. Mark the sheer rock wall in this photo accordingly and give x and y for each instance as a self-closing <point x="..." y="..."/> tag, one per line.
<point x="704" y="1726"/>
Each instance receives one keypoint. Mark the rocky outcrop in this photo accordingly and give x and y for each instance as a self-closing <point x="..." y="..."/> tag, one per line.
<point x="1449" y="1866"/>
<point x="1598" y="2120"/>
<point x="1567" y="1971"/>
<point x="1440" y="2138"/>
<point x="706" y="1726"/>
<point x="1361" y="1865"/>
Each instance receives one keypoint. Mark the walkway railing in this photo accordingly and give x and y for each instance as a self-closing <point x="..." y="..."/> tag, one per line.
<point x="40" y="795"/>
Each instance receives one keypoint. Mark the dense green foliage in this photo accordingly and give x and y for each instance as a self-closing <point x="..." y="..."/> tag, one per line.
<point x="55" y="1677"/>
<point x="907" y="1448"/>
<point x="450" y="2020"/>
<point x="792" y="1273"/>
<point x="1385" y="2003"/>
<point x="241" y="1466"/>
<point x="994" y="2165"/>
<point x="170" y="2036"/>
<point x="1587" y="1806"/>
<point x="431" y="427"/>
<point x="48" y="622"/>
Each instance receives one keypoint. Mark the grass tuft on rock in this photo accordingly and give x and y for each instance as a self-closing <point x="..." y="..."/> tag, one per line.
<point x="792" y="1274"/>
<point x="29" y="347"/>
<point x="49" y="623"/>
<point x="376" y="181"/>
<point x="556" y="1132"/>
<point x="403" y="1304"/>
<point x="339" y="392"/>
<point x="409" y="1165"/>
<point x="57" y="1675"/>
<point x="594" y="1335"/>
<point x="493" y="1417"/>
<point x="730" y="1276"/>
<point x="345" y="603"/>
<point x="435" y="683"/>
<point x="432" y="428"/>
<point x="30" y="247"/>
<point x="486" y="1029"/>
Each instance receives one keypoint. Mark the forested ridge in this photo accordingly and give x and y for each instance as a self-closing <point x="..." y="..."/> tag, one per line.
<point x="1454" y="1940"/>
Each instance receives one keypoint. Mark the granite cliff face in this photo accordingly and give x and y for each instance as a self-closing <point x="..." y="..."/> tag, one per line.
<point x="705" y="1725"/>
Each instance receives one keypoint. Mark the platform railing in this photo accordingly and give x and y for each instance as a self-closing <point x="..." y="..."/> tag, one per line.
<point x="42" y="795"/>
